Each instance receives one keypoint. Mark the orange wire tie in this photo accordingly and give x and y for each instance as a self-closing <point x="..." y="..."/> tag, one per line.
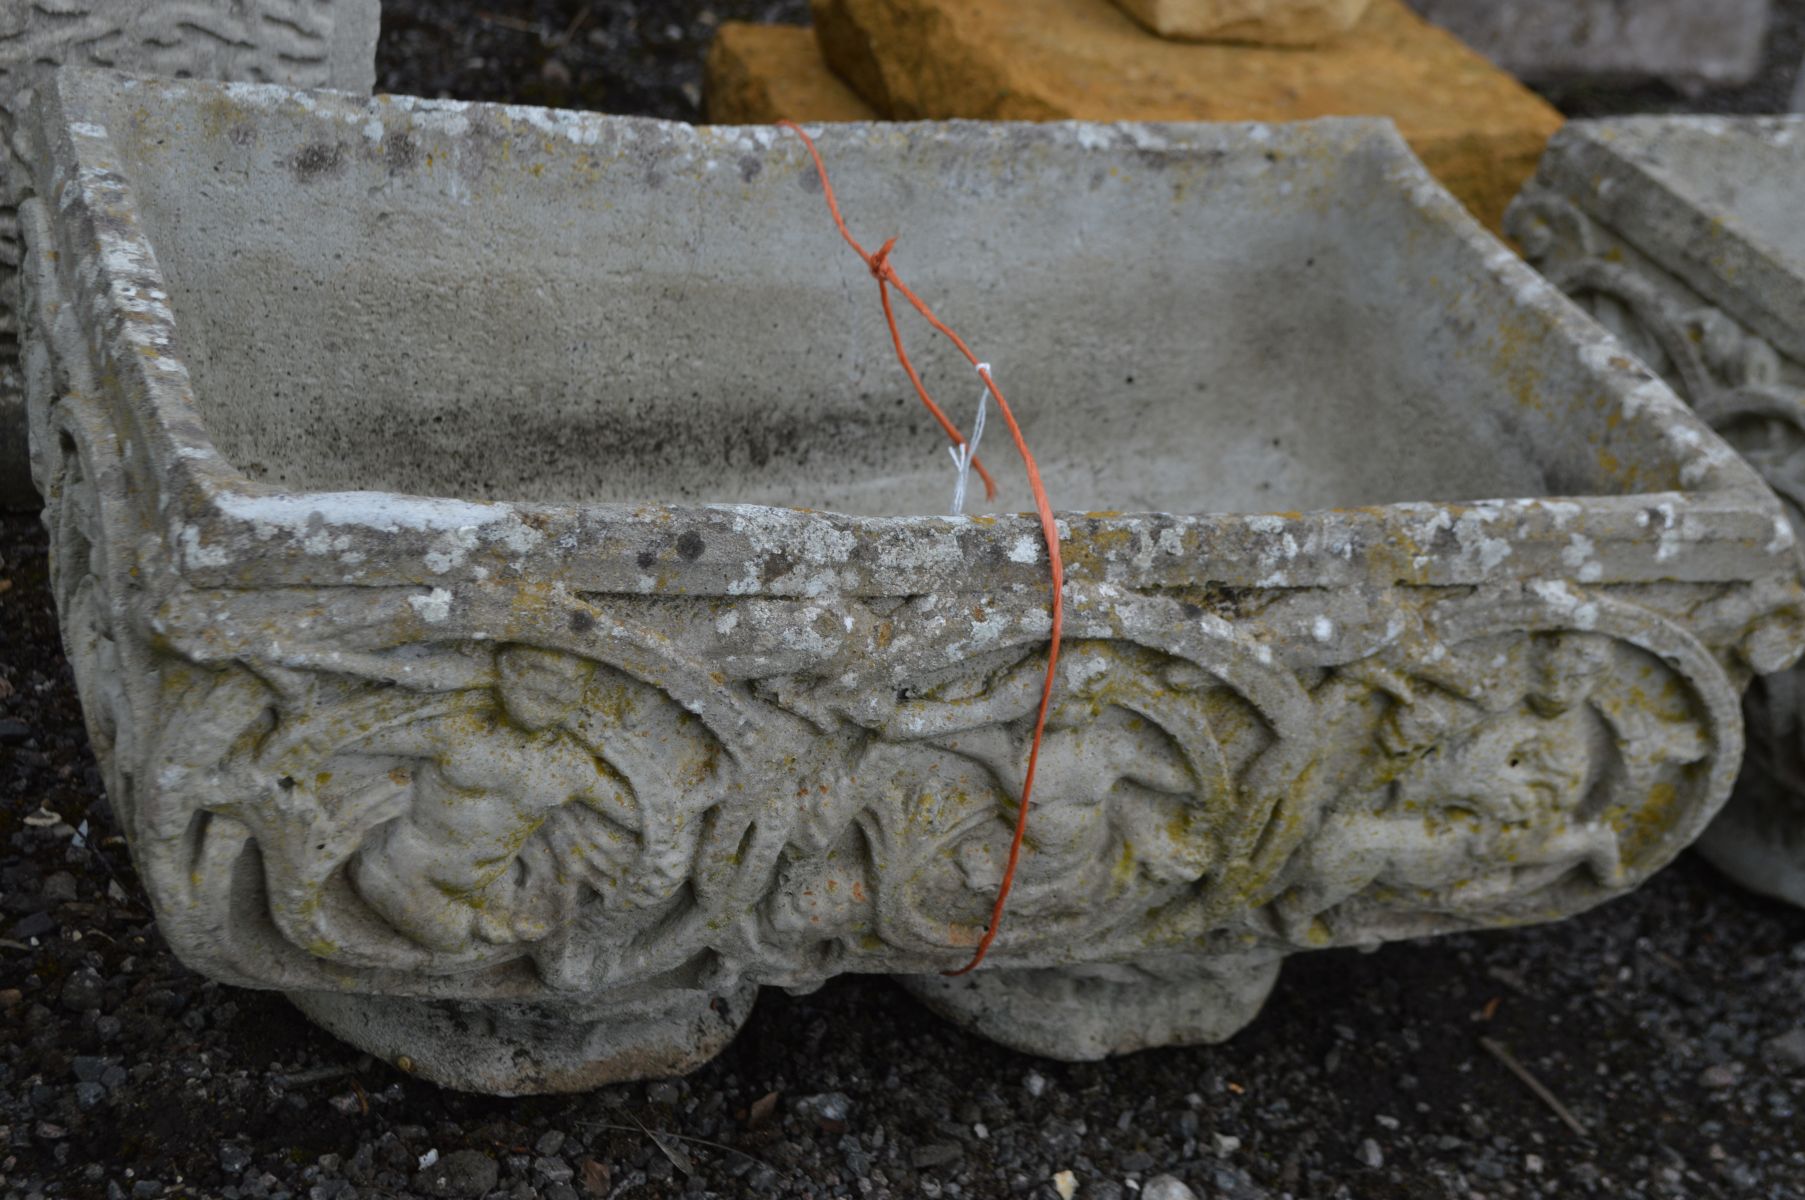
<point x="886" y="276"/>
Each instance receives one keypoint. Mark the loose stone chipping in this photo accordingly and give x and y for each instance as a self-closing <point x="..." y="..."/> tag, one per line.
<point x="304" y="43"/>
<point x="1684" y="235"/>
<point x="427" y="542"/>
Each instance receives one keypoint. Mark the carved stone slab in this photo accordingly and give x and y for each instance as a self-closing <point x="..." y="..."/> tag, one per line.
<point x="306" y="43"/>
<point x="1687" y="236"/>
<point x="1683" y="42"/>
<point x="501" y="562"/>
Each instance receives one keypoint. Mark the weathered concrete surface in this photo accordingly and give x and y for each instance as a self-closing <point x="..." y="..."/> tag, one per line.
<point x="1479" y="130"/>
<point x="1265" y="22"/>
<point x="1097" y="1010"/>
<point x="563" y="1045"/>
<point x="1685" y="234"/>
<point x="593" y="631"/>
<point x="307" y="43"/>
<point x="1683" y="42"/>
<point x="763" y="73"/>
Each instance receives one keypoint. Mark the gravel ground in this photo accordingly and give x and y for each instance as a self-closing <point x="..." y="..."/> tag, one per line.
<point x="1666" y="1026"/>
<point x="621" y="56"/>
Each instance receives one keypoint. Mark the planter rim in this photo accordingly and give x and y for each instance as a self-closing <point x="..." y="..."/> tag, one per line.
<point x="229" y="531"/>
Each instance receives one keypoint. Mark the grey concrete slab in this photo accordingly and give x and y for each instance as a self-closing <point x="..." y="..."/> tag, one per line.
<point x="1683" y="42"/>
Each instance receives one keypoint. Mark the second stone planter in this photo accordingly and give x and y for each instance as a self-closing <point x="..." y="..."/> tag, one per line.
<point x="504" y="574"/>
<point x="1687" y="236"/>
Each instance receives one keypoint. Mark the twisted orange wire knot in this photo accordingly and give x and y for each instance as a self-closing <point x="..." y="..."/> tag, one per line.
<point x="880" y="262"/>
<point x="885" y="273"/>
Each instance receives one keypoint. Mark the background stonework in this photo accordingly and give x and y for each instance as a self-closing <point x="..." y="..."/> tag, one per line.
<point x="1659" y="226"/>
<point x="304" y="43"/>
<point x="1680" y="42"/>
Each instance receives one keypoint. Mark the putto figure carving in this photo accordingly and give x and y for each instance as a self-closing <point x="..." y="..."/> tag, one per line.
<point x="538" y="792"/>
<point x="1551" y="745"/>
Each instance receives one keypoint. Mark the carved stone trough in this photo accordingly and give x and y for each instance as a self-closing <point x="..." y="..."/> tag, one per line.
<point x="1687" y="236"/>
<point x="505" y="575"/>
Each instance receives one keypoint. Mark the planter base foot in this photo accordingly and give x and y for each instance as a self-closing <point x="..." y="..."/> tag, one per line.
<point x="513" y="1049"/>
<point x="1085" y="1013"/>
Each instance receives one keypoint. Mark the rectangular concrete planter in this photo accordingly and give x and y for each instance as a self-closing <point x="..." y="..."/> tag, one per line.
<point x="306" y="43"/>
<point x="503" y="567"/>
<point x="1687" y="236"/>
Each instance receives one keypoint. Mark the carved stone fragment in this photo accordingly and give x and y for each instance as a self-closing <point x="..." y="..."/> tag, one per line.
<point x="500" y="563"/>
<point x="305" y="43"/>
<point x="1684" y="235"/>
<point x="1682" y="42"/>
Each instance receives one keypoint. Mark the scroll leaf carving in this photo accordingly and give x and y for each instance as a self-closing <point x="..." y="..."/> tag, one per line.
<point x="1568" y="744"/>
<point x="1750" y="394"/>
<point x="1733" y="377"/>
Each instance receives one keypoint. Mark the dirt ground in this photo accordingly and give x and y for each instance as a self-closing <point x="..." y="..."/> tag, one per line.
<point x="1667" y="1026"/>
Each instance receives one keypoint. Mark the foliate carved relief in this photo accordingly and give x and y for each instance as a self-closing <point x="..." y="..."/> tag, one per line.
<point x="1733" y="377"/>
<point x="455" y="806"/>
<point x="1540" y="757"/>
<point x="1161" y="775"/>
<point x="587" y="806"/>
<point x="1752" y="395"/>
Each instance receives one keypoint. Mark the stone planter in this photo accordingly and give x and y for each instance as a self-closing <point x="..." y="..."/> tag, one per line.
<point x="1685" y="234"/>
<point x="427" y="486"/>
<point x="307" y="43"/>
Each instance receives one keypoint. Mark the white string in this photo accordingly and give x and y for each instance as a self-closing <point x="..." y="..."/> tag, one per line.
<point x="965" y="452"/>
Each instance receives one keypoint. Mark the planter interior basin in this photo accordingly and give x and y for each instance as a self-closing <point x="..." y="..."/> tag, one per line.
<point x="493" y="303"/>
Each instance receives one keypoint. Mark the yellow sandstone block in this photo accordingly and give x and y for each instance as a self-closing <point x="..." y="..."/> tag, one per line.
<point x="762" y="73"/>
<point x="1478" y="130"/>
